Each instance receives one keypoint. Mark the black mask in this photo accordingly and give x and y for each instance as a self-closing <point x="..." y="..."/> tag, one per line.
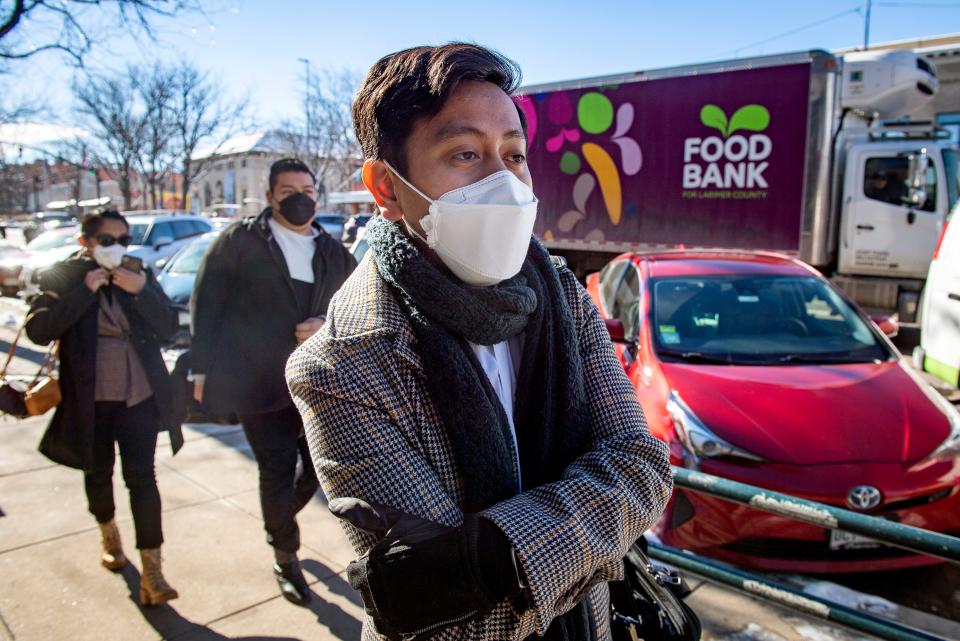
<point x="298" y="209"/>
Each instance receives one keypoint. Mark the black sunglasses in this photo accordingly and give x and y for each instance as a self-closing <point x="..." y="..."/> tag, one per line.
<point x="106" y="240"/>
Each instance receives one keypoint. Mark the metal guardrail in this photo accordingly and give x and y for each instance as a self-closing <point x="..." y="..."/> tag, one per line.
<point x="829" y="517"/>
<point x="760" y="587"/>
<point x="907" y="537"/>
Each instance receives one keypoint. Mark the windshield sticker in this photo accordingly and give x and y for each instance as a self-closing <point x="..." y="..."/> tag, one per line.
<point x="668" y="329"/>
<point x="670" y="339"/>
<point x="748" y="299"/>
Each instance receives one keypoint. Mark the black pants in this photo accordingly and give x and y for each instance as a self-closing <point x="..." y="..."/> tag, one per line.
<point x="277" y="441"/>
<point x="135" y="430"/>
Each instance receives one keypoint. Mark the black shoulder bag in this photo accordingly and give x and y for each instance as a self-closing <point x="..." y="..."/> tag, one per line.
<point x="647" y="604"/>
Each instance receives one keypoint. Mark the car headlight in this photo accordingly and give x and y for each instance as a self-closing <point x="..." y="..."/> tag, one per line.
<point x="697" y="438"/>
<point x="951" y="446"/>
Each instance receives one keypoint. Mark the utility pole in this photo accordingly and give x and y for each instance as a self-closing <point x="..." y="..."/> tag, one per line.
<point x="306" y="102"/>
<point x="866" y="25"/>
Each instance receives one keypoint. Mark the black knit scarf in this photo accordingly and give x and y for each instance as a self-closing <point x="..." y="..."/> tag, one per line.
<point x="550" y="410"/>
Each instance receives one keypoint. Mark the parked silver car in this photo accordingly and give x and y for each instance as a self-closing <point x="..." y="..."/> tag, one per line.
<point x="157" y="237"/>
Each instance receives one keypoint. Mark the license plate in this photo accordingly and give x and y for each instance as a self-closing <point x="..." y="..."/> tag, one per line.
<point x="11" y="282"/>
<point x="184" y="319"/>
<point x="840" y="540"/>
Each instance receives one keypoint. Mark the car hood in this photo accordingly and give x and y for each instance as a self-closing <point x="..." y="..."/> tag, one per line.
<point x="804" y="415"/>
<point x="177" y="287"/>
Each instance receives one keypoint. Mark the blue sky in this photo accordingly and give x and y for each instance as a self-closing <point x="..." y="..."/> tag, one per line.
<point x="253" y="46"/>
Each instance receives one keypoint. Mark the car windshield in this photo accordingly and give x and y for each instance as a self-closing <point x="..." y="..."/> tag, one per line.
<point x="52" y="240"/>
<point x="751" y="320"/>
<point x="137" y="232"/>
<point x="188" y="261"/>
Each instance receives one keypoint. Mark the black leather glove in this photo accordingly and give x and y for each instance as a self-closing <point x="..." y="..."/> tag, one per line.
<point x="420" y="576"/>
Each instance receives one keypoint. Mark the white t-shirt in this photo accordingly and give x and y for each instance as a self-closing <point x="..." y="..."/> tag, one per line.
<point x="497" y="362"/>
<point x="298" y="250"/>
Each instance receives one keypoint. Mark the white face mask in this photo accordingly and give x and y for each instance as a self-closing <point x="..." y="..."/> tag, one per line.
<point x="482" y="231"/>
<point x="109" y="257"/>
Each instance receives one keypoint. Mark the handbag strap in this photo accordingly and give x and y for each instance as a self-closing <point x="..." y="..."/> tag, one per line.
<point x="16" y="340"/>
<point x="49" y="360"/>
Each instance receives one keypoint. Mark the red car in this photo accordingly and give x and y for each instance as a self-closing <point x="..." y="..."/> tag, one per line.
<point x="751" y="366"/>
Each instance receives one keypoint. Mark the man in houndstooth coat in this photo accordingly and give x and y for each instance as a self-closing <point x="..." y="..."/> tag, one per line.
<point x="466" y="412"/>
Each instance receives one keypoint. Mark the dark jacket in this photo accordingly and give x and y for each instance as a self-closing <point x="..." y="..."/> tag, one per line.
<point x="245" y="312"/>
<point x="66" y="309"/>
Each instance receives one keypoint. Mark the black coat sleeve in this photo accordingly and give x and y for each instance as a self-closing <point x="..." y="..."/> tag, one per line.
<point x="211" y="292"/>
<point x="61" y="303"/>
<point x="156" y="310"/>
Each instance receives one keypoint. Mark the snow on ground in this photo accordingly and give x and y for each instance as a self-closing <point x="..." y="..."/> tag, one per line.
<point x="811" y="631"/>
<point x="850" y="598"/>
<point x="805" y="630"/>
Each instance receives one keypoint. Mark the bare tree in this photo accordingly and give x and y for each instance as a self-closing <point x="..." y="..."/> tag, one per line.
<point x="14" y="108"/>
<point x="201" y="114"/>
<point x="328" y="143"/>
<point x="118" y="121"/>
<point x="156" y="92"/>
<point x="72" y="27"/>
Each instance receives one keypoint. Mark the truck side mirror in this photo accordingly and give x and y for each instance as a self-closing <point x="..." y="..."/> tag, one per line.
<point x="919" y="163"/>
<point x="917" y="197"/>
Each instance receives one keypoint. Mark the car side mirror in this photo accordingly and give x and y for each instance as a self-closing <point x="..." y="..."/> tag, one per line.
<point x="889" y="325"/>
<point x="162" y="242"/>
<point x="617" y="332"/>
<point x="615" y="329"/>
<point x="160" y="264"/>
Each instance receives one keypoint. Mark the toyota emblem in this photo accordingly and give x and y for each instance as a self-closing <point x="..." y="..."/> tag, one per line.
<point x="864" y="497"/>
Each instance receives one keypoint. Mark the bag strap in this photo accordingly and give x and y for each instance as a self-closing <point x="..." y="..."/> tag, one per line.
<point x="49" y="360"/>
<point x="16" y="341"/>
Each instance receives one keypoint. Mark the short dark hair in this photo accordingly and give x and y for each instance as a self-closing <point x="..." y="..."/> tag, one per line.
<point x="91" y="224"/>
<point x="285" y="165"/>
<point x="410" y="84"/>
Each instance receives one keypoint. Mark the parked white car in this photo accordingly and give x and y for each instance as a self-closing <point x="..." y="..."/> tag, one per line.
<point x="157" y="237"/>
<point x="939" y="351"/>
<point x="43" y="251"/>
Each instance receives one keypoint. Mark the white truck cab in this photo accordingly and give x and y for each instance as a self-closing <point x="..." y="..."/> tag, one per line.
<point x="897" y="180"/>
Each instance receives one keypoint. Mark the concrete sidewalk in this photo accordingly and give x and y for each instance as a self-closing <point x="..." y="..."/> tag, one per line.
<point x="215" y="553"/>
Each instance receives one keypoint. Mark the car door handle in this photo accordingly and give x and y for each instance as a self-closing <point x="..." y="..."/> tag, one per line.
<point x="953" y="296"/>
<point x="911" y="217"/>
<point x="865" y="227"/>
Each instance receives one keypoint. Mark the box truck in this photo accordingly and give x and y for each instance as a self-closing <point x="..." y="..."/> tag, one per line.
<point x="811" y="154"/>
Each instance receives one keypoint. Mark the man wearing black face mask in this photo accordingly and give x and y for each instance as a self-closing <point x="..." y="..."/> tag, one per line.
<point x="263" y="288"/>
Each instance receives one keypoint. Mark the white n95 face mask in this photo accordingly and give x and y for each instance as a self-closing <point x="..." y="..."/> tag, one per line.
<point x="109" y="257"/>
<point x="482" y="231"/>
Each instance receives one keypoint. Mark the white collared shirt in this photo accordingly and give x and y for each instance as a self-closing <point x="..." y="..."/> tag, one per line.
<point x="497" y="362"/>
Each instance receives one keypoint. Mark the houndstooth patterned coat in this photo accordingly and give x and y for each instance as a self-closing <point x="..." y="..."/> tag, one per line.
<point x="375" y="434"/>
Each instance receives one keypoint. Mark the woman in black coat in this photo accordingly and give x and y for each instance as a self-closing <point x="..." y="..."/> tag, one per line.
<point x="110" y="321"/>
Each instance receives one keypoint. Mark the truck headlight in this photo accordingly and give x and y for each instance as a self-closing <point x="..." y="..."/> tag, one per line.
<point x="697" y="438"/>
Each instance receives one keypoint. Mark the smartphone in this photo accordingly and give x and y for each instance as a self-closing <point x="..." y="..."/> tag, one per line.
<point x="131" y="263"/>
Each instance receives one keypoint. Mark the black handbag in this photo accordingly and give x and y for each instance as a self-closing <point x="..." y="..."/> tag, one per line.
<point x="647" y="605"/>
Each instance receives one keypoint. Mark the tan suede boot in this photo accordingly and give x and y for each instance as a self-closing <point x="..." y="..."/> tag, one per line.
<point x="154" y="589"/>
<point x="112" y="556"/>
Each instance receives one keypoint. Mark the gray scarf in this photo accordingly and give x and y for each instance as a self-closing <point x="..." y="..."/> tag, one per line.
<point x="550" y="410"/>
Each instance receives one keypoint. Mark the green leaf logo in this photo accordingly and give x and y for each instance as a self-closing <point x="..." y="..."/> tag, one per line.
<point x="749" y="118"/>
<point x="713" y="116"/>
